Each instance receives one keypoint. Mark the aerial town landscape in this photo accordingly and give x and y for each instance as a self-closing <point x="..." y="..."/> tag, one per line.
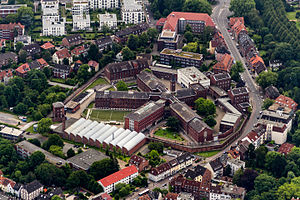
<point x="149" y="99"/>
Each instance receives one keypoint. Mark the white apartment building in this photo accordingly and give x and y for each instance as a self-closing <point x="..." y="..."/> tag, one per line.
<point x="107" y="19"/>
<point x="132" y="12"/>
<point x="235" y="165"/>
<point x="80" y="7"/>
<point x="191" y="75"/>
<point x="104" y="4"/>
<point x="81" y="22"/>
<point x="125" y="175"/>
<point x="50" y="7"/>
<point x="54" y="28"/>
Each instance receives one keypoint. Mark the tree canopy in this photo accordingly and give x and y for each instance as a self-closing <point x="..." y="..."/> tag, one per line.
<point x="205" y="107"/>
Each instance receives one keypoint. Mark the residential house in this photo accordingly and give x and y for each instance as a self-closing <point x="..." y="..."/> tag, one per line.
<point x="239" y="95"/>
<point x="8" y="58"/>
<point x="286" y="101"/>
<point x="272" y="92"/>
<point x="61" y="71"/>
<point x="132" y="12"/>
<point x="104" y="43"/>
<point x="254" y="138"/>
<point x="217" y="41"/>
<point x="60" y="55"/>
<point x="94" y="65"/>
<point x="140" y="162"/>
<point x="224" y="65"/>
<point x="235" y="165"/>
<point x="24" y="39"/>
<point x="47" y="46"/>
<point x="122" y="35"/>
<point x="216" y="167"/>
<point x="233" y="154"/>
<point x="8" y="31"/>
<point x="286" y="148"/>
<point x="72" y="40"/>
<point x="31" y="190"/>
<point x="198" y="173"/>
<point x="109" y="20"/>
<point x="171" y="196"/>
<point x="6" y="185"/>
<point x="221" y="80"/>
<point x="17" y="189"/>
<point x="5" y="75"/>
<point x="23" y="70"/>
<point x="257" y="64"/>
<point x="32" y="49"/>
<point x="80" y="50"/>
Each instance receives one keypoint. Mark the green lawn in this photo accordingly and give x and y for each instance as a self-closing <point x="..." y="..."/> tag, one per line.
<point x="292" y="16"/>
<point x="165" y="133"/>
<point x="99" y="81"/>
<point x="30" y="129"/>
<point x="208" y="153"/>
<point x="108" y="115"/>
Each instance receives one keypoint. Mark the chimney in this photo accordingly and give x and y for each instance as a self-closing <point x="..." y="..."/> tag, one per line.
<point x="173" y="84"/>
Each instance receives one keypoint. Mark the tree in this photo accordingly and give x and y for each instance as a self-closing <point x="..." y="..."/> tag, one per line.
<point x="47" y="56"/>
<point x="260" y="155"/>
<point x="19" y="46"/>
<point x="133" y="42"/>
<point x="266" y="79"/>
<point x="297" y="15"/>
<point x="104" y="168"/>
<point x="152" y="34"/>
<point x="247" y="179"/>
<point x="267" y="103"/>
<point x="283" y="51"/>
<point x="235" y="71"/>
<point x="121" y="86"/>
<point x="191" y="47"/>
<point x="54" y="139"/>
<point x="36" y="159"/>
<point x="154" y="158"/>
<point x="3" y="102"/>
<point x="70" y="153"/>
<point x="200" y="6"/>
<point x="55" y="197"/>
<point x="93" y="52"/>
<point x="205" y="107"/>
<point x="127" y="54"/>
<point x="237" y="176"/>
<point x="21" y="108"/>
<point x="26" y="16"/>
<point x="35" y="141"/>
<point x="227" y="171"/>
<point x="242" y="7"/>
<point x="83" y="73"/>
<point x="173" y="123"/>
<point x="210" y="121"/>
<point x="49" y="175"/>
<point x="265" y="183"/>
<point x="44" y="125"/>
<point x="274" y="162"/>
<point x="57" y="151"/>
<point x="158" y="146"/>
<point x="188" y="36"/>
<point x="289" y="190"/>
<point x="143" y="39"/>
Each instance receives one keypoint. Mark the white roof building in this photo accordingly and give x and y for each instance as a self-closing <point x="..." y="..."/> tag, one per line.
<point x="11" y="133"/>
<point x="120" y="137"/>
<point x="103" y="4"/>
<point x="191" y="75"/>
<point x="114" y="135"/>
<point x="126" y="139"/>
<point x="132" y="12"/>
<point x="107" y="19"/>
<point x="134" y="141"/>
<point x="100" y="132"/>
<point x="106" y="134"/>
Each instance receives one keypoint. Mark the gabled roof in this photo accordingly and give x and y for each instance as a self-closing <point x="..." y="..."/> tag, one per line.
<point x="5" y="73"/>
<point x="225" y="63"/>
<point x="160" y="169"/>
<point x="119" y="175"/>
<point x="47" y="45"/>
<point x="33" y="186"/>
<point x="62" y="67"/>
<point x="23" y="68"/>
<point x="42" y="62"/>
<point x="78" y="50"/>
<point x="64" y="53"/>
<point x="73" y="38"/>
<point x="161" y="21"/>
<point x="233" y="20"/>
<point x="216" y="164"/>
<point x="93" y="63"/>
<point x="11" y="26"/>
<point x="253" y="136"/>
<point x="285" y="148"/>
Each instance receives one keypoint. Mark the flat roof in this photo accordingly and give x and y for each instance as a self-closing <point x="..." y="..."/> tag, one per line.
<point x="225" y="103"/>
<point x="85" y="159"/>
<point x="11" y="131"/>
<point x="218" y="90"/>
<point x="192" y="73"/>
<point x="230" y="118"/>
<point x="182" y="54"/>
<point x="164" y="69"/>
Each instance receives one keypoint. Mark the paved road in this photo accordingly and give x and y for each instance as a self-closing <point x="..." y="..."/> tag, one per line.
<point x="219" y="16"/>
<point x="60" y="85"/>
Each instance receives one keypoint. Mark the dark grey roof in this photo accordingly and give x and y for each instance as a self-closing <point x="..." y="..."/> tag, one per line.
<point x="198" y="125"/>
<point x="17" y="186"/>
<point x="132" y="30"/>
<point x="103" y="41"/>
<point x="62" y="67"/>
<point x="8" y="55"/>
<point x="146" y="110"/>
<point x="198" y="171"/>
<point x="85" y="159"/>
<point x="184" y="158"/>
<point x="122" y="95"/>
<point x="33" y="186"/>
<point x="186" y="92"/>
<point x="197" y="87"/>
<point x="240" y="90"/>
<point x="73" y="38"/>
<point x="127" y="65"/>
<point x="31" y="47"/>
<point x="272" y="92"/>
<point x="216" y="164"/>
<point x="152" y="81"/>
<point x="221" y="76"/>
<point x="184" y="111"/>
<point x="34" y="64"/>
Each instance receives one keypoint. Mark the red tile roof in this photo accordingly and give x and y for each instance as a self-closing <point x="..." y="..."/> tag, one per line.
<point x="238" y="27"/>
<point x="252" y="136"/>
<point x="225" y="63"/>
<point x="23" y="68"/>
<point x="47" y="45"/>
<point x="161" y="21"/>
<point x="119" y="175"/>
<point x="285" y="148"/>
<point x="10" y="26"/>
<point x="5" y="73"/>
<point x="171" y="196"/>
<point x="64" y="53"/>
<point x="106" y="196"/>
<point x="93" y="63"/>
<point x="173" y="17"/>
<point x="233" y="20"/>
<point x="78" y="50"/>
<point x="43" y="62"/>
<point x="256" y="59"/>
<point x="78" y="61"/>
<point x="144" y="197"/>
<point x="234" y="153"/>
<point x="286" y="101"/>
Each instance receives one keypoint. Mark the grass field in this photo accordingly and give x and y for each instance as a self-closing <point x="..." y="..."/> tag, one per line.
<point x="99" y="81"/>
<point x="208" y="153"/>
<point x="108" y="115"/>
<point x="292" y="16"/>
<point x="165" y="133"/>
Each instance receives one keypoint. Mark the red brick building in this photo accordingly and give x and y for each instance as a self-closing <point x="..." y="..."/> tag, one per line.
<point x="191" y="122"/>
<point x="190" y="95"/>
<point x="125" y="70"/>
<point x="58" y="112"/>
<point x="7" y="31"/>
<point x="221" y="80"/>
<point x="140" y="162"/>
<point x="72" y="40"/>
<point x="257" y="64"/>
<point x="120" y="99"/>
<point x="287" y="102"/>
<point x="147" y="82"/>
<point x="285" y="148"/>
<point x="145" y="116"/>
<point x="239" y="95"/>
<point x="23" y="70"/>
<point x="224" y="65"/>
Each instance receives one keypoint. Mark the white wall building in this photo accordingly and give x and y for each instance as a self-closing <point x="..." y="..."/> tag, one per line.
<point x="132" y="12"/>
<point x="104" y="4"/>
<point x="80" y="7"/>
<point x="54" y="28"/>
<point x="50" y="7"/>
<point x="107" y="19"/>
<point x="125" y="175"/>
<point x="191" y="75"/>
<point x="80" y="13"/>
<point x="235" y="165"/>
